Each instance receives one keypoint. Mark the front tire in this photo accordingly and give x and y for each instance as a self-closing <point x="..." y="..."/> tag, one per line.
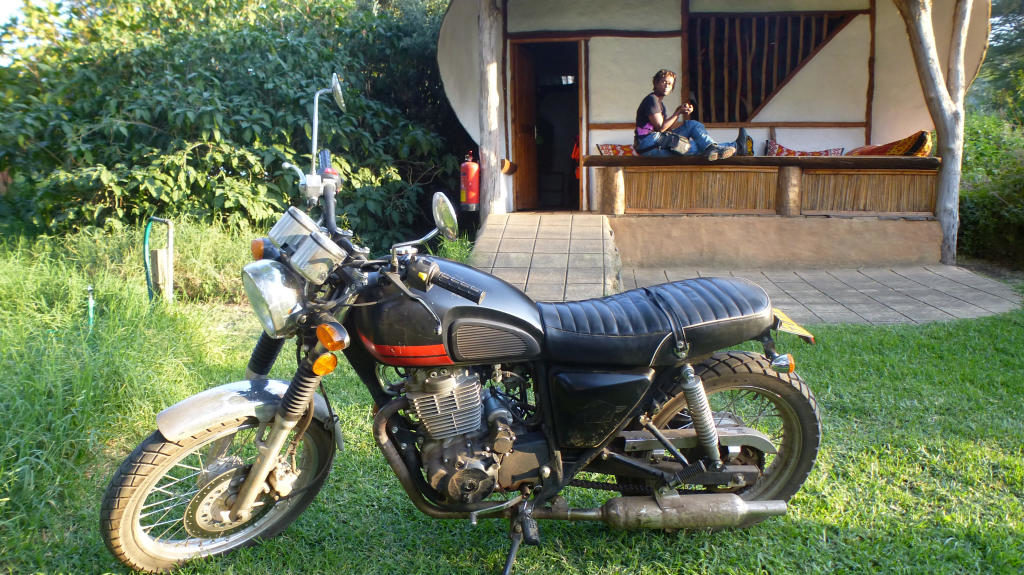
<point x="165" y="504"/>
<point x="781" y="406"/>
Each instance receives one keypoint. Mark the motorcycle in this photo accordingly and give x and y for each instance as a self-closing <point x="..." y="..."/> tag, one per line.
<point x="487" y="404"/>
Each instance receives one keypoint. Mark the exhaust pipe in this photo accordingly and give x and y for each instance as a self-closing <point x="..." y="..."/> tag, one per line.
<point x="693" y="511"/>
<point x="696" y="511"/>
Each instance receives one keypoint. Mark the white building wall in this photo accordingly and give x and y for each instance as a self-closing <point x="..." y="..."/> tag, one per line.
<point x="568" y="15"/>
<point x="621" y="72"/>
<point x="899" y="107"/>
<point x="832" y="87"/>
<point x="458" y="58"/>
<point x="777" y="5"/>
<point x="459" y="64"/>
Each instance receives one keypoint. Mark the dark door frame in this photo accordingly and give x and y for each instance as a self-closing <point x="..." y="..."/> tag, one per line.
<point x="515" y="102"/>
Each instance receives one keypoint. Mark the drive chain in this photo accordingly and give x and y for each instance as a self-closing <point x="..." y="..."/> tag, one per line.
<point x="624" y="488"/>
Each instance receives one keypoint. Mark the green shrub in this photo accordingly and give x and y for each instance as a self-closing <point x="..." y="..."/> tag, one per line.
<point x="992" y="191"/>
<point x="121" y="109"/>
<point x="74" y="391"/>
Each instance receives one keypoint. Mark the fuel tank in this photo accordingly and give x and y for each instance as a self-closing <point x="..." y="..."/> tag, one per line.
<point x="398" y="331"/>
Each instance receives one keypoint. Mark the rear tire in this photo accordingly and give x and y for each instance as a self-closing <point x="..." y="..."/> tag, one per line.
<point x="779" y="405"/>
<point x="165" y="503"/>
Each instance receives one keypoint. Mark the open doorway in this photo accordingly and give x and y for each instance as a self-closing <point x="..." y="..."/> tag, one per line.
<point x="547" y="125"/>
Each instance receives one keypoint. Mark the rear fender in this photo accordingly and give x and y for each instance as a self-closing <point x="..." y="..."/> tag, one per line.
<point x="247" y="398"/>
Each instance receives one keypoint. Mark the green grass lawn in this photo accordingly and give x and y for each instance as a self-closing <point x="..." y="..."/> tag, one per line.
<point x="921" y="468"/>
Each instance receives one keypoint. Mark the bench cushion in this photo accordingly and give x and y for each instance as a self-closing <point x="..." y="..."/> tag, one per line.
<point x="918" y="144"/>
<point x="616" y="149"/>
<point x="773" y="148"/>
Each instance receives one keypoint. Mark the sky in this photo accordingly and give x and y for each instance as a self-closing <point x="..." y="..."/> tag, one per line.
<point x="8" y="8"/>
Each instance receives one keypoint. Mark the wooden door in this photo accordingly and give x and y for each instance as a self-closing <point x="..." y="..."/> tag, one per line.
<point x="524" y="133"/>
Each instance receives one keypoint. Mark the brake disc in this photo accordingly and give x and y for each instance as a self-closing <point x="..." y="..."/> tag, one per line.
<point x="208" y="514"/>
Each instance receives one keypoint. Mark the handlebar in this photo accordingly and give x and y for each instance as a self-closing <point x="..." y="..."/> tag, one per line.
<point x="458" y="287"/>
<point x="422" y="273"/>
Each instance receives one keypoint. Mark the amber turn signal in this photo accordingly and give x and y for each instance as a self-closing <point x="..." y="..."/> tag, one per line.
<point x="332" y="336"/>
<point x="325" y="364"/>
<point x="784" y="364"/>
<point x="256" y="247"/>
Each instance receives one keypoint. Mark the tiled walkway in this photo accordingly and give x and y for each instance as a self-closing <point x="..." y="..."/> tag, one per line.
<point x="570" y="256"/>
<point x="552" y="257"/>
<point x="868" y="295"/>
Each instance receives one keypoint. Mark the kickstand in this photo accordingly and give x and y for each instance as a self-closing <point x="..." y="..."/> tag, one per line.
<point x="517" y="539"/>
<point x="521" y="527"/>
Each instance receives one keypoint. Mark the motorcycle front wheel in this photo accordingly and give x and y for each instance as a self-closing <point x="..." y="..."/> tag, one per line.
<point x="743" y="390"/>
<point x="169" y="502"/>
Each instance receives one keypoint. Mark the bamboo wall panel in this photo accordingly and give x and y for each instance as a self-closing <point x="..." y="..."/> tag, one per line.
<point x="700" y="190"/>
<point x="845" y="191"/>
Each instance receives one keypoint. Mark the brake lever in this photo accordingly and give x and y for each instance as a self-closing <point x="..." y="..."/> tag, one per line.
<point x="397" y="280"/>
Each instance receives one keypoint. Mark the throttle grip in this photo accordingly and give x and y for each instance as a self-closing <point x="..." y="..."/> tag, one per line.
<point x="458" y="287"/>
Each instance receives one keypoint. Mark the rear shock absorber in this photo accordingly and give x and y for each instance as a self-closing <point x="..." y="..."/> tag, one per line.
<point x="700" y="413"/>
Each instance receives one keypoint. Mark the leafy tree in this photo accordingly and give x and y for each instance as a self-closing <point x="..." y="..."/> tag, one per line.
<point x="944" y="93"/>
<point x="1000" y="85"/>
<point x="121" y="109"/>
<point x="992" y="191"/>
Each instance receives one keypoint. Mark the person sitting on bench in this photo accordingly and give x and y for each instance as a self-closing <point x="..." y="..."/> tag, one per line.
<point x="660" y="135"/>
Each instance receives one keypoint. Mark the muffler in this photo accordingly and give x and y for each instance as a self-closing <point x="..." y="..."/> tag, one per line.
<point x="691" y="511"/>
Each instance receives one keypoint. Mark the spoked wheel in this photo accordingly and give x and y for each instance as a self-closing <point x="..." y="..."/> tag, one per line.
<point x="170" y="501"/>
<point x="743" y="390"/>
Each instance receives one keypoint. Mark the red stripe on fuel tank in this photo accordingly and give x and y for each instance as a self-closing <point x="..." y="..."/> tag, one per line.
<point x="408" y="355"/>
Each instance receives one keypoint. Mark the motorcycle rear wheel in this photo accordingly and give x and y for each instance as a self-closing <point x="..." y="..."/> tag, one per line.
<point x="166" y="503"/>
<point x="781" y="406"/>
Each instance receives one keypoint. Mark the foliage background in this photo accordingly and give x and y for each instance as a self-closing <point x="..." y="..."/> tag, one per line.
<point x="992" y="187"/>
<point x="115" y="110"/>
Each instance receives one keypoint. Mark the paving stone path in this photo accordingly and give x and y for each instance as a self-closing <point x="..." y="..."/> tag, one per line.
<point x="570" y="256"/>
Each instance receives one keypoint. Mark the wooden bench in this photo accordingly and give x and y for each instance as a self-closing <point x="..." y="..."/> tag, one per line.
<point x="887" y="186"/>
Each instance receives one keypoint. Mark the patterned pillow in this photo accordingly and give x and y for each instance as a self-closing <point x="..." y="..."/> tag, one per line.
<point x="616" y="149"/>
<point x="918" y="144"/>
<point x="776" y="149"/>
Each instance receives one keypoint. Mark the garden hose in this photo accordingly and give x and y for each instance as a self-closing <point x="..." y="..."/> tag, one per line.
<point x="145" y="250"/>
<point x="92" y="307"/>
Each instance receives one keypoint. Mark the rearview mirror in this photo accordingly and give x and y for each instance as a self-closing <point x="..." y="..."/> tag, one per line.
<point x="336" y="91"/>
<point x="444" y="216"/>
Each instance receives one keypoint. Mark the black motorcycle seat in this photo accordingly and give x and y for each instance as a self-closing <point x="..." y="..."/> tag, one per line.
<point x="635" y="328"/>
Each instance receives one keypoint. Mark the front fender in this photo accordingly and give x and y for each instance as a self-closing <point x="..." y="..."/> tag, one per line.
<point x="247" y="398"/>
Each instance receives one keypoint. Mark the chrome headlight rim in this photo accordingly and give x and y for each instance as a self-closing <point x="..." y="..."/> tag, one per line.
<point x="274" y="294"/>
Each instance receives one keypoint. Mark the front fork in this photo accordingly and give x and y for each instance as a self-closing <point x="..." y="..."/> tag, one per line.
<point x="296" y="401"/>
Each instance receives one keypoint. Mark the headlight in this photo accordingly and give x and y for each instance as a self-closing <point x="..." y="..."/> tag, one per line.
<point x="274" y="295"/>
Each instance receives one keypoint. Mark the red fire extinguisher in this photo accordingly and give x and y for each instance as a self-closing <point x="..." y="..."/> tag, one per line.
<point x="470" y="196"/>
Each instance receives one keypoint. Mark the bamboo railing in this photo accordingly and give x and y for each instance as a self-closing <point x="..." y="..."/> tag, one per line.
<point x="815" y="186"/>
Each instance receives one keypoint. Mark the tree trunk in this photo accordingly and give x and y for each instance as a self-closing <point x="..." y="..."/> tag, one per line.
<point x="491" y="198"/>
<point x="945" y="99"/>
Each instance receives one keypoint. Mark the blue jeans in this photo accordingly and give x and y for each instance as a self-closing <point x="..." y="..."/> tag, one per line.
<point x="691" y="129"/>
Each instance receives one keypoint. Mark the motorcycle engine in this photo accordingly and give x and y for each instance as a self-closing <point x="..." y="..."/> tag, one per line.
<point x="466" y="429"/>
